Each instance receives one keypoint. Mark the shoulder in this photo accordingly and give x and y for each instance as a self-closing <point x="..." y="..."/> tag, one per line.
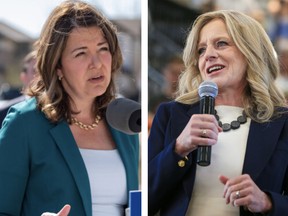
<point x="6" y="104"/>
<point x="172" y="113"/>
<point x="281" y="114"/>
<point x="25" y="105"/>
<point x="26" y="113"/>
<point x="174" y="107"/>
<point x="24" y="108"/>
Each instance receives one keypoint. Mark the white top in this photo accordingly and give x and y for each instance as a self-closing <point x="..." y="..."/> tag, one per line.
<point x="227" y="159"/>
<point x="107" y="178"/>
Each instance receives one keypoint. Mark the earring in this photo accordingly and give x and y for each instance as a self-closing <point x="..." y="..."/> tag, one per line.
<point x="60" y="78"/>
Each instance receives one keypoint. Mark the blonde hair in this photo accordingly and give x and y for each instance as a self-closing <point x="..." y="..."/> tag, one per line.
<point x="50" y="94"/>
<point x="262" y="97"/>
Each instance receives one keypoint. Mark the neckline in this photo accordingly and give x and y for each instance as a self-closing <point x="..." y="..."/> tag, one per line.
<point x="227" y="112"/>
<point x="98" y="150"/>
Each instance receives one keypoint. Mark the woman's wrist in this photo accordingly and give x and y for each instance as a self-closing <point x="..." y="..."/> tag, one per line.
<point x="182" y="151"/>
<point x="268" y="204"/>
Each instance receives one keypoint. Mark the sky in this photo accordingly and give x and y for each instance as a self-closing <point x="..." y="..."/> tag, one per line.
<point x="28" y="16"/>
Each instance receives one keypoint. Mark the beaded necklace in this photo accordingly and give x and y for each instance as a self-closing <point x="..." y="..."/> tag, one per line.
<point x="84" y="126"/>
<point x="242" y="119"/>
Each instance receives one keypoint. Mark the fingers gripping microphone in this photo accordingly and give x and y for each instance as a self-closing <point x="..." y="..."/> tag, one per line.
<point x="124" y="115"/>
<point x="207" y="91"/>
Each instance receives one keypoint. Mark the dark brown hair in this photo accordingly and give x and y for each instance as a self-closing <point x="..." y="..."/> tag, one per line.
<point x="50" y="94"/>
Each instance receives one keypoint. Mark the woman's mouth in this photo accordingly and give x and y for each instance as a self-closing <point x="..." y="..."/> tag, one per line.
<point x="214" y="68"/>
<point x="96" y="79"/>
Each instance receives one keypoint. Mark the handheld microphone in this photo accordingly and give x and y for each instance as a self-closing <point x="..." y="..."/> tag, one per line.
<point x="207" y="91"/>
<point x="124" y="115"/>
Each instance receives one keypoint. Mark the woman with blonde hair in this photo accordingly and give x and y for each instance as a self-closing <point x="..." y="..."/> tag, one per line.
<point x="56" y="148"/>
<point x="248" y="131"/>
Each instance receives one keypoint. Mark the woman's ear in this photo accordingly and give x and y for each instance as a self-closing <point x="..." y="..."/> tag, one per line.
<point x="59" y="74"/>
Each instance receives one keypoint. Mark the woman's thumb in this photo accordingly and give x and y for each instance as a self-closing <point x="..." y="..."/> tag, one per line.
<point x="64" y="211"/>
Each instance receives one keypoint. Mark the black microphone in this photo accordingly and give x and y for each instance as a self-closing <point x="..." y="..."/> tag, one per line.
<point x="124" y="115"/>
<point x="207" y="91"/>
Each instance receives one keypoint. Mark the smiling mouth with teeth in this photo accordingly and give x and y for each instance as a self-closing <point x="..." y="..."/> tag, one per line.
<point x="215" y="68"/>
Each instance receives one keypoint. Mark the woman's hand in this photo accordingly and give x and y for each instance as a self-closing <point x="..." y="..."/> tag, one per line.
<point x="63" y="212"/>
<point x="242" y="191"/>
<point x="202" y="129"/>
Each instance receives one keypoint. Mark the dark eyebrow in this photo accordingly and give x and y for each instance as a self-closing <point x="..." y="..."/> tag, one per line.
<point x="78" y="48"/>
<point x="84" y="47"/>
<point x="102" y="43"/>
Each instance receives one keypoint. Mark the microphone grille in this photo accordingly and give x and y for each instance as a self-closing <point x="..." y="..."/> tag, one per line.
<point x="208" y="88"/>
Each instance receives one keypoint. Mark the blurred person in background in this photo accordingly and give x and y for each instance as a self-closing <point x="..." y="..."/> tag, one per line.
<point x="26" y="76"/>
<point x="279" y="36"/>
<point x="56" y="147"/>
<point x="171" y="71"/>
<point x="249" y="133"/>
<point x="28" y="71"/>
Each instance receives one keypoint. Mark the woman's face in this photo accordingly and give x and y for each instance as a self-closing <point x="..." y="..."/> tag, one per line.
<point x="86" y="64"/>
<point x="219" y="59"/>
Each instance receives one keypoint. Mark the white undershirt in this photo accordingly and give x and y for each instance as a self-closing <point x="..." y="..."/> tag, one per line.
<point x="227" y="159"/>
<point x="107" y="178"/>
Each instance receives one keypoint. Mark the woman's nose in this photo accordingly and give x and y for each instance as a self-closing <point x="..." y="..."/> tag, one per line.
<point x="96" y="61"/>
<point x="210" y="53"/>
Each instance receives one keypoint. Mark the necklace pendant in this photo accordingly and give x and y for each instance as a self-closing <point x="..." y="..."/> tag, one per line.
<point x="235" y="124"/>
<point x="242" y="119"/>
<point x="226" y="127"/>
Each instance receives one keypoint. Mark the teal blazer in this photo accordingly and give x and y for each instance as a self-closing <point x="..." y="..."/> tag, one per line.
<point x="41" y="168"/>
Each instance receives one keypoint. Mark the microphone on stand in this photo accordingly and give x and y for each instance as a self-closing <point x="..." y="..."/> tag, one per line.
<point x="124" y="115"/>
<point x="207" y="91"/>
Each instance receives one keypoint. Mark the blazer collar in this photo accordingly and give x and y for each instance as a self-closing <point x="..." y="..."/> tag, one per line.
<point x="68" y="147"/>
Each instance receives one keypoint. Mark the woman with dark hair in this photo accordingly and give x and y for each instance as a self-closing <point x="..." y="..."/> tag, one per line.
<point x="56" y="148"/>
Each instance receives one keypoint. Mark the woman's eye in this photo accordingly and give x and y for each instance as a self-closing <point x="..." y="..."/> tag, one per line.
<point x="104" y="48"/>
<point x="221" y="43"/>
<point x="79" y="54"/>
<point x="201" y="51"/>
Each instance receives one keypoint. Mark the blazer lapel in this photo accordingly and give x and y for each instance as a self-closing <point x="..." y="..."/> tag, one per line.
<point x="180" y="117"/>
<point x="68" y="147"/>
<point x="262" y="140"/>
<point x="129" y="153"/>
